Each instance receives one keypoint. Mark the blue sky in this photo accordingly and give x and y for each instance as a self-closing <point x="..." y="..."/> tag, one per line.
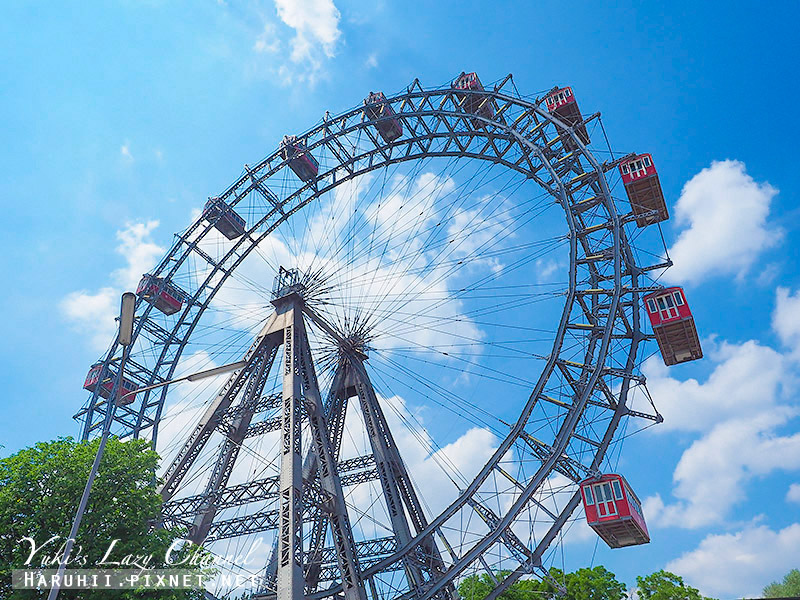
<point x="120" y="119"/>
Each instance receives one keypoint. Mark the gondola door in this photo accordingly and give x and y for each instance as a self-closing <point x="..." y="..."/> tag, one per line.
<point x="606" y="506"/>
<point x="639" y="167"/>
<point x="667" y="307"/>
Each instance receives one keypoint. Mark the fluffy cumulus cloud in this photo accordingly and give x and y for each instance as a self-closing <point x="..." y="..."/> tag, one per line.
<point x="139" y="250"/>
<point x="736" y="565"/>
<point x="432" y="468"/>
<point x="93" y="313"/>
<point x="309" y="29"/>
<point x="738" y="410"/>
<point x="267" y="41"/>
<point x="793" y="495"/>
<point x="786" y="318"/>
<point x="711" y="475"/>
<point x="746" y="380"/>
<point x="407" y="291"/>
<point x="725" y="213"/>
<point x="316" y="24"/>
<point x="744" y="418"/>
<point x="186" y="404"/>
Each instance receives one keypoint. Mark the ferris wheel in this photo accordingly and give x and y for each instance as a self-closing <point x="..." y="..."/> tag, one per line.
<point x="438" y="300"/>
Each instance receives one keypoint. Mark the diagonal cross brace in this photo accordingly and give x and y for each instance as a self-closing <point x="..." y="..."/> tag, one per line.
<point x="264" y="343"/>
<point x="223" y="466"/>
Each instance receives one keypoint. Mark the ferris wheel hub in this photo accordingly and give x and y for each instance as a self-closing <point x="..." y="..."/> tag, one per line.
<point x="287" y="282"/>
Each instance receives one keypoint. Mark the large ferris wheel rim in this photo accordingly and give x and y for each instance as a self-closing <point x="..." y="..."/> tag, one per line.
<point x="491" y="131"/>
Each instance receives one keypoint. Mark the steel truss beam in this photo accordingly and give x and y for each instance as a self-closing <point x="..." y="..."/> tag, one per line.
<point x="335" y="408"/>
<point x="398" y="491"/>
<point x="258" y="490"/>
<point x="235" y="429"/>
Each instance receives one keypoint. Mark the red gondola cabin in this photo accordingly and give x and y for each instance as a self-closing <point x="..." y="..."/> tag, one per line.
<point x="563" y="105"/>
<point x="103" y="381"/>
<point x="381" y="112"/>
<point x="226" y="220"/>
<point x="165" y="296"/>
<point x="300" y="160"/>
<point x="614" y="511"/>
<point x="673" y="326"/>
<point x="641" y="182"/>
<point x="477" y="104"/>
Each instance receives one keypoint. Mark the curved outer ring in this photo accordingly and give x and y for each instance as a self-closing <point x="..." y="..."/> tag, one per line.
<point x="496" y="130"/>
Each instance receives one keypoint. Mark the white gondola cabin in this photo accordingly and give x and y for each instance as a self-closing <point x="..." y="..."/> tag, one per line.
<point x="673" y="326"/>
<point x="165" y="296"/>
<point x="300" y="160"/>
<point x="563" y="105"/>
<point x="102" y="380"/>
<point x="475" y="103"/>
<point x="226" y="220"/>
<point x="640" y="178"/>
<point x="614" y="511"/>
<point x="380" y="111"/>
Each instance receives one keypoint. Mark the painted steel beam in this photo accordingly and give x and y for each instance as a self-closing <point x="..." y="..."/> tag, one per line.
<point x="328" y="473"/>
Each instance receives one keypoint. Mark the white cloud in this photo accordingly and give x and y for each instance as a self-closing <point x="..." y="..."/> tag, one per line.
<point x="125" y="151"/>
<point x="736" y="565"/>
<point x="739" y="411"/>
<point x="93" y="313"/>
<point x="372" y="61"/>
<point x="726" y="213"/>
<point x="315" y="22"/>
<point x="793" y="495"/>
<point x="185" y="404"/>
<point x="267" y="41"/>
<point x="479" y="228"/>
<point x="430" y="468"/>
<point x="746" y="380"/>
<point x="546" y="268"/>
<point x="711" y="475"/>
<point x="409" y="203"/>
<point x="140" y="252"/>
<point x="409" y="293"/>
<point x="786" y="318"/>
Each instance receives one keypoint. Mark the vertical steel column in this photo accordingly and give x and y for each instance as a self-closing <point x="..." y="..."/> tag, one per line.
<point x="291" y="585"/>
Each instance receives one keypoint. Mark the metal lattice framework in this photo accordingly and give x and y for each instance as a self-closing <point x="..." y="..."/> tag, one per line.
<point x="581" y="390"/>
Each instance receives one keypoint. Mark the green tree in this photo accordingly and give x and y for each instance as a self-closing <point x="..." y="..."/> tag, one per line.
<point x="584" y="584"/>
<point x="594" y="584"/>
<point x="790" y="586"/>
<point x="477" y="587"/>
<point x="663" y="585"/>
<point x="39" y="491"/>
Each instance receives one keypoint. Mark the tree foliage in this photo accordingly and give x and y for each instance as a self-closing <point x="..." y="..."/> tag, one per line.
<point x="790" y="586"/>
<point x="594" y="584"/>
<point x="663" y="585"/>
<point x="584" y="584"/>
<point x="39" y="491"/>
